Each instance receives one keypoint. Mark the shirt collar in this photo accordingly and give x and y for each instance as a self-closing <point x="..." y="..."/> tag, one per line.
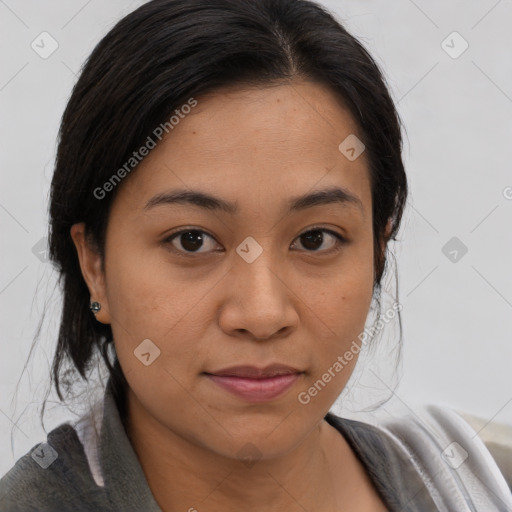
<point x="125" y="481"/>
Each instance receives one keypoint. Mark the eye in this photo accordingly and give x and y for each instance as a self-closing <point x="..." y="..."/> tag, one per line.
<point x="190" y="240"/>
<point x="314" y="238"/>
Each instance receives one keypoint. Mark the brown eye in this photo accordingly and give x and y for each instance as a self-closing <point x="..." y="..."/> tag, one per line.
<point x="191" y="241"/>
<point x="313" y="240"/>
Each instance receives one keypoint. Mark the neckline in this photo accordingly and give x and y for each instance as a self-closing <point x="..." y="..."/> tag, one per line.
<point x="398" y="484"/>
<point x="381" y="460"/>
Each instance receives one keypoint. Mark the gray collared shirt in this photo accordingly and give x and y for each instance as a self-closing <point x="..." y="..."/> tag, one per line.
<point x="433" y="462"/>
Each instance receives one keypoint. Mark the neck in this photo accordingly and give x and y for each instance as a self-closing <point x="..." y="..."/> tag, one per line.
<point x="316" y="475"/>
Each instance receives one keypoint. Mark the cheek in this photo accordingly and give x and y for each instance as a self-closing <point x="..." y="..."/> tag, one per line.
<point x="144" y="305"/>
<point x="142" y="289"/>
<point x="152" y="299"/>
<point x="132" y="283"/>
<point x="338" y="312"/>
<point x="341" y="299"/>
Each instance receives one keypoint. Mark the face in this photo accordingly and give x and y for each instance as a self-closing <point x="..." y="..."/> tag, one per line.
<point x="278" y="281"/>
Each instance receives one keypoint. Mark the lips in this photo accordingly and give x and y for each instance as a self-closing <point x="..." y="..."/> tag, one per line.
<point x="252" y="372"/>
<point x="256" y="384"/>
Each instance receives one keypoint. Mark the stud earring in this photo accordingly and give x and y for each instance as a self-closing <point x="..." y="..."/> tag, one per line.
<point x="95" y="307"/>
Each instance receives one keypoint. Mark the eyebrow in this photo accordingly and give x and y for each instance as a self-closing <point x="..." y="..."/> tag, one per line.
<point x="332" y="195"/>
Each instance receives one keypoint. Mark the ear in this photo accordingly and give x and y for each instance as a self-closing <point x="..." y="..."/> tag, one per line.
<point x="385" y="238"/>
<point x="383" y="243"/>
<point x="90" y="264"/>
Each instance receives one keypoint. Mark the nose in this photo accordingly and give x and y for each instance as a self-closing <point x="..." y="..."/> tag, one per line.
<point x="259" y="303"/>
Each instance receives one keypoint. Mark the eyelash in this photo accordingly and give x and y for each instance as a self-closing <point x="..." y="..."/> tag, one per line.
<point x="340" y="241"/>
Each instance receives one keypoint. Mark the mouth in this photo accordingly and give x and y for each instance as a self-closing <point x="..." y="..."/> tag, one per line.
<point x="254" y="384"/>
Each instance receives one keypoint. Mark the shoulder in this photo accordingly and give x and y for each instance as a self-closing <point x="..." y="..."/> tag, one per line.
<point x="454" y="458"/>
<point x="387" y="466"/>
<point x="452" y="462"/>
<point x="53" y="475"/>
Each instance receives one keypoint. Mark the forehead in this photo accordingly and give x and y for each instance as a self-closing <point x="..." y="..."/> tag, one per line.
<point x="254" y="146"/>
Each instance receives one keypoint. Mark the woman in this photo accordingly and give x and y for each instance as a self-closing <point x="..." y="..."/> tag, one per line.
<point x="228" y="177"/>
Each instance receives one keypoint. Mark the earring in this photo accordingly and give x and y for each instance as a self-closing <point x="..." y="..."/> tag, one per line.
<point x="95" y="307"/>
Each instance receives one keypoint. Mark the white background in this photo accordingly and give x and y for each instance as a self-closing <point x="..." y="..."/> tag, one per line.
<point x="458" y="153"/>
